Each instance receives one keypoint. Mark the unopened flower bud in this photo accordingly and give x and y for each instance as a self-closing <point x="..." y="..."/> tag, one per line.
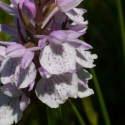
<point x="29" y="10"/>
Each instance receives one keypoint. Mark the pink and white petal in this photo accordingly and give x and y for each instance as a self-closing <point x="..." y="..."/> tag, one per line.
<point x="6" y="43"/>
<point x="29" y="9"/>
<point x="80" y="11"/>
<point x="85" y="58"/>
<point x="7" y="8"/>
<point x="9" y="110"/>
<point x="11" y="90"/>
<point x="78" y="43"/>
<point x="16" y="2"/>
<point x="57" y="37"/>
<point x="76" y="17"/>
<point x="25" y="101"/>
<point x="66" y="5"/>
<point x="84" y="92"/>
<point x="8" y="68"/>
<point x="42" y="43"/>
<point x="57" y="59"/>
<point x="73" y="34"/>
<point x="16" y="50"/>
<point x="9" y="29"/>
<point x="79" y="27"/>
<point x="27" y="58"/>
<point x="31" y="86"/>
<point x="83" y="89"/>
<point x="44" y="73"/>
<point x="84" y="75"/>
<point x="57" y="89"/>
<point x="24" y="77"/>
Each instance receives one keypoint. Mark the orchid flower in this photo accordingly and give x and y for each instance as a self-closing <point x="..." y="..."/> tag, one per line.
<point x="45" y="59"/>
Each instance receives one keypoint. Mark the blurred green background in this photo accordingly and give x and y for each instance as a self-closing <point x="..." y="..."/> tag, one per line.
<point x="104" y="34"/>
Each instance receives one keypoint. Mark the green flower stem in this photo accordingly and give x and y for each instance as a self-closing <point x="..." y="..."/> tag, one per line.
<point x="49" y="115"/>
<point x="76" y="112"/>
<point x="64" y="115"/>
<point x="42" y="119"/>
<point x="100" y="97"/>
<point x="122" y="26"/>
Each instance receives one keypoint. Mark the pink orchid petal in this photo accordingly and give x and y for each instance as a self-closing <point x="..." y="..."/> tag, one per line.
<point x="16" y="50"/>
<point x="9" y="110"/>
<point x="11" y="90"/>
<point x="84" y="92"/>
<point x="7" y="8"/>
<point x="42" y="43"/>
<point x="24" y="77"/>
<point x="29" y="9"/>
<point x="27" y="58"/>
<point x="57" y="37"/>
<point x="73" y="34"/>
<point x="32" y="49"/>
<point x="85" y="58"/>
<point x="84" y="75"/>
<point x="58" y="59"/>
<point x="79" y="27"/>
<point x="11" y="72"/>
<point x="76" y="43"/>
<point x="8" y="68"/>
<point x="66" y="5"/>
<point x="6" y="43"/>
<point x="24" y="102"/>
<point x="9" y="29"/>
<point x="57" y="89"/>
<point x="31" y="86"/>
<point x="15" y="2"/>
<point x="83" y="89"/>
<point x="76" y="16"/>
